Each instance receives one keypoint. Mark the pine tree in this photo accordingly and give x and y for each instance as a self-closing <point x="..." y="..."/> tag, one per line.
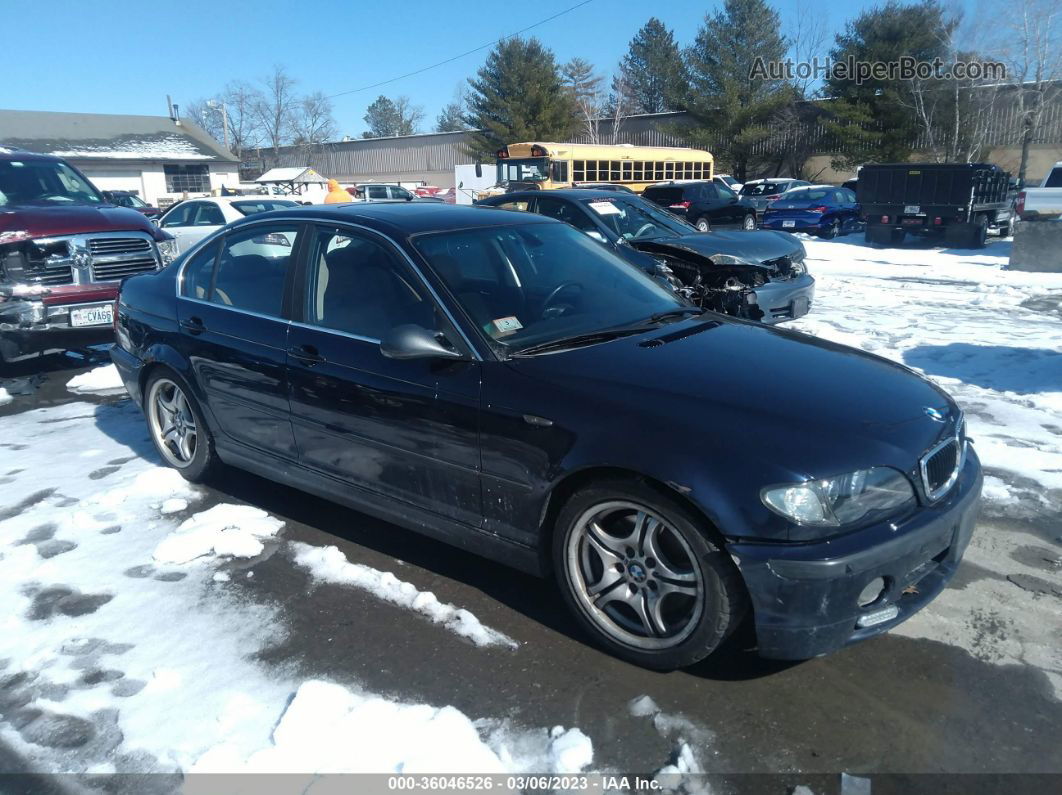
<point x="518" y="96"/>
<point x="451" y="118"/>
<point x="652" y="72"/>
<point x="731" y="106"/>
<point x="873" y="120"/>
<point x="387" y="117"/>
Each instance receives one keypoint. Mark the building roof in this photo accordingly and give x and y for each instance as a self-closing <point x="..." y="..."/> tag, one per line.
<point x="300" y="174"/>
<point x="105" y="136"/>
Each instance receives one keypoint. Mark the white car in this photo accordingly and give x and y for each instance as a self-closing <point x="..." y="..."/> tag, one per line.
<point x="192" y="220"/>
<point x="727" y="181"/>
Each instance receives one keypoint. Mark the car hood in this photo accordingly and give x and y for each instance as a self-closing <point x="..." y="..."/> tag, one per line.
<point x="72" y="219"/>
<point x="758" y="246"/>
<point x="811" y="404"/>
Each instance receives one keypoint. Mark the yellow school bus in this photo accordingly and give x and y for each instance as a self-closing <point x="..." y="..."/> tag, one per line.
<point x="551" y="165"/>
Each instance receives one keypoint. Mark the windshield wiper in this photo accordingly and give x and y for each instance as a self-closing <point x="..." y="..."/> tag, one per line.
<point x="659" y="317"/>
<point x="579" y="340"/>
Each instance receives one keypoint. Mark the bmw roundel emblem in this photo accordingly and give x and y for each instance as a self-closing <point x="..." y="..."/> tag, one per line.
<point x="935" y="414"/>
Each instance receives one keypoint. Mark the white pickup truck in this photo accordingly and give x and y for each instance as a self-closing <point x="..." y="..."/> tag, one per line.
<point x="1044" y="202"/>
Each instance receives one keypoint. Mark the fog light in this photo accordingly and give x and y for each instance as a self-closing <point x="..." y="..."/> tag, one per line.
<point x="878" y="616"/>
<point x="875" y="590"/>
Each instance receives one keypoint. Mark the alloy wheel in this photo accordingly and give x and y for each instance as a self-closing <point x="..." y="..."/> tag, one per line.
<point x="635" y="576"/>
<point x="172" y="422"/>
<point x="749" y="223"/>
<point x="703" y="225"/>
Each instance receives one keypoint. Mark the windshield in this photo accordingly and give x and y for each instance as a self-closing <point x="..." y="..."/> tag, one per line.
<point x="532" y="169"/>
<point x="637" y="219"/>
<point x="763" y="189"/>
<point x="43" y="182"/>
<point x="129" y="200"/>
<point x="529" y="284"/>
<point x="263" y="205"/>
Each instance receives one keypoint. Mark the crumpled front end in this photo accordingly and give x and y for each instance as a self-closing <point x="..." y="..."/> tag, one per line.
<point x="58" y="293"/>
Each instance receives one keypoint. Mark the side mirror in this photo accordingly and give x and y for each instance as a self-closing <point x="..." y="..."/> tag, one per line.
<point x="415" y="342"/>
<point x="409" y="197"/>
<point x="461" y="184"/>
<point x="479" y="169"/>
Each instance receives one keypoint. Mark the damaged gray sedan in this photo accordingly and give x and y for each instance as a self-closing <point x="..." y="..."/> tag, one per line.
<point x="754" y="275"/>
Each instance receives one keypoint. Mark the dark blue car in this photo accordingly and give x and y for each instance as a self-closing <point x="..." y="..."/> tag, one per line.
<point x="502" y="382"/>
<point x="821" y="210"/>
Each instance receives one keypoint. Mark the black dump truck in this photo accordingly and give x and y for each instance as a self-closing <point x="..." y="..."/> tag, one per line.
<point x="960" y="201"/>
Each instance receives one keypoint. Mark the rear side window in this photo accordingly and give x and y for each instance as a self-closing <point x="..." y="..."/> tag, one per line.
<point x="1054" y="179"/>
<point x="199" y="272"/>
<point x="663" y="195"/>
<point x="376" y="192"/>
<point x="252" y="268"/>
<point x="264" y="206"/>
<point x="208" y="215"/>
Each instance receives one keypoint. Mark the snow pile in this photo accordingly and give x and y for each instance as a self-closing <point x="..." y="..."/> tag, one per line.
<point x="225" y="530"/>
<point x="330" y="565"/>
<point x="5" y="397"/>
<point x="328" y="728"/>
<point x="105" y="380"/>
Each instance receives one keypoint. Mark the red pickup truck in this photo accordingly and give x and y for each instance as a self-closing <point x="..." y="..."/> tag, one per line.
<point x="63" y="251"/>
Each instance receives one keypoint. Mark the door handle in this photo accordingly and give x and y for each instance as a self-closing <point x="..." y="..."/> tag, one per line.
<point x="307" y="354"/>
<point x="193" y="325"/>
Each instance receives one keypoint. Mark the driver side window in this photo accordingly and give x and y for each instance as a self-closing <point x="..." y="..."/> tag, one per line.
<point x="563" y="211"/>
<point x="359" y="286"/>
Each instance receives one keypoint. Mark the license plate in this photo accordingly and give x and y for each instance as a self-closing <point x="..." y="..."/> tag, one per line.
<point x="102" y="315"/>
<point x="911" y="209"/>
<point x="788" y="223"/>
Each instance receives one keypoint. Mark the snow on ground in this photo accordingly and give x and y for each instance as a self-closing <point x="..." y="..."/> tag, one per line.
<point x="968" y="324"/>
<point x="103" y="380"/>
<point x="114" y="659"/>
<point x="328" y="564"/>
<point x="5" y="397"/>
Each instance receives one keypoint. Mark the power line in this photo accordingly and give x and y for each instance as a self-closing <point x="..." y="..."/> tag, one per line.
<point x="462" y="55"/>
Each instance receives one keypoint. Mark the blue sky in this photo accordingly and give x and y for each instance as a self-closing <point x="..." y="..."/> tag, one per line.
<point x="122" y="57"/>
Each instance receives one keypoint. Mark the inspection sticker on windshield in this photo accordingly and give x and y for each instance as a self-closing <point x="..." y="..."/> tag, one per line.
<point x="501" y="326"/>
<point x="605" y="208"/>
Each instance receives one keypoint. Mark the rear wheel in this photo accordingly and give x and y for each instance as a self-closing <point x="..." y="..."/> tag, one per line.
<point x="177" y="427"/>
<point x="703" y="225"/>
<point x="749" y="222"/>
<point x="831" y="231"/>
<point x="640" y="574"/>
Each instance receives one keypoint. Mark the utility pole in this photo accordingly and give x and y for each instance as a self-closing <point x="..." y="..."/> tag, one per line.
<point x="216" y="104"/>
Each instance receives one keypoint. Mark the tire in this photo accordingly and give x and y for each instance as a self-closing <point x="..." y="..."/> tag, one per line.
<point x="177" y="427"/>
<point x="979" y="231"/>
<point x="702" y="224"/>
<point x="748" y="223"/>
<point x="832" y="231"/>
<point x="663" y="597"/>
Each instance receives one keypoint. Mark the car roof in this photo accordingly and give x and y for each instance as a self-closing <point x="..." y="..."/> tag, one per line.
<point x="772" y="179"/>
<point x="574" y="194"/>
<point x="8" y="153"/>
<point x="405" y="219"/>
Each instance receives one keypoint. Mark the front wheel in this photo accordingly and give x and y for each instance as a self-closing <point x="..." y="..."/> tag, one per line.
<point x="749" y="223"/>
<point x="703" y="225"/>
<point x="641" y="575"/>
<point x="177" y="427"/>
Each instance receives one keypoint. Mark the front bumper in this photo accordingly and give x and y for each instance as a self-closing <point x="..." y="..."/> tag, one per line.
<point x="805" y="596"/>
<point x="786" y="300"/>
<point x="29" y="327"/>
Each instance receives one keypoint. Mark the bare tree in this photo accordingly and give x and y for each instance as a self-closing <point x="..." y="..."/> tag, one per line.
<point x="275" y="109"/>
<point x="621" y="104"/>
<point x="585" y="88"/>
<point x="1032" y="49"/>
<point x="806" y="44"/>
<point x="312" y="121"/>
<point x="241" y="99"/>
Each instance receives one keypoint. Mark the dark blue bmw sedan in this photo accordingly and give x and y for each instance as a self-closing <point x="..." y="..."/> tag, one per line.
<point x="507" y="384"/>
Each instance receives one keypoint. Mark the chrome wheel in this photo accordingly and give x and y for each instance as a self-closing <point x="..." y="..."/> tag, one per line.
<point x="749" y="223"/>
<point x="172" y="423"/>
<point x="703" y="225"/>
<point x="635" y="576"/>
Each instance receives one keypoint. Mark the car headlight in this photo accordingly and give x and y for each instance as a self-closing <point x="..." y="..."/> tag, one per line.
<point x="167" y="250"/>
<point x="841" y="500"/>
<point x="797" y="267"/>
